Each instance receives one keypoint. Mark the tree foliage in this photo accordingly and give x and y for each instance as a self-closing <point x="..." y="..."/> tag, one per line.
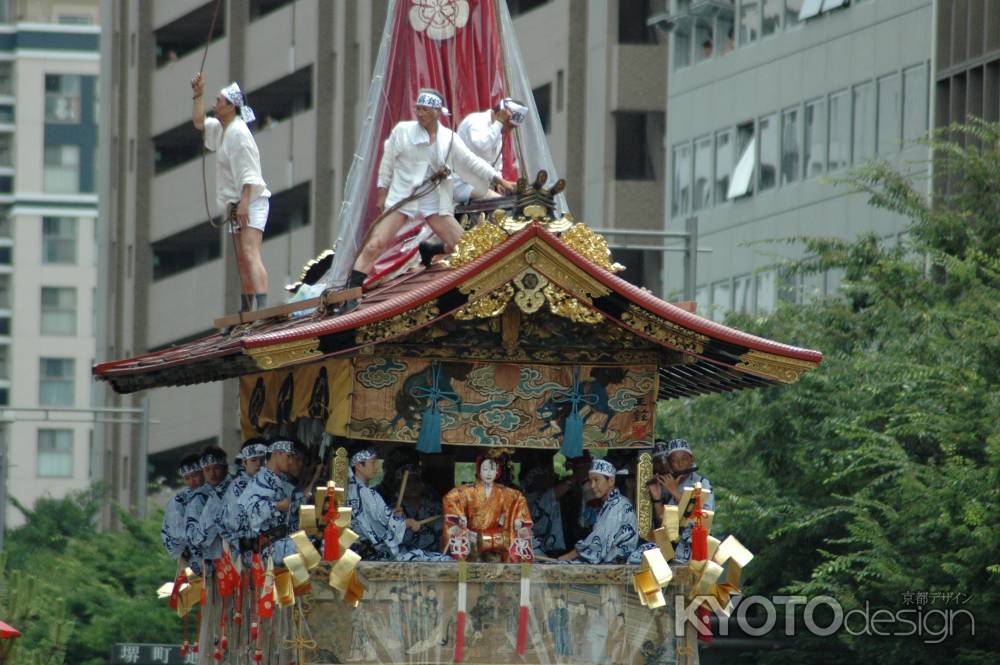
<point x="877" y="476"/>
<point x="88" y="589"/>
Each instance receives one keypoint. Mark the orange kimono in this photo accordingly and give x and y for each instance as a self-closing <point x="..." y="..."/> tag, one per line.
<point x="495" y="519"/>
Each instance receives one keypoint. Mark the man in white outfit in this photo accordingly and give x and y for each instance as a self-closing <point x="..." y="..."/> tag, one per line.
<point x="484" y="132"/>
<point x="241" y="192"/>
<point x="415" y="151"/>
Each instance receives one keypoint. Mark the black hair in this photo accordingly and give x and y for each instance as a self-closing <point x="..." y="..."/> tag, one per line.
<point x="254" y="440"/>
<point x="190" y="458"/>
<point x="214" y="450"/>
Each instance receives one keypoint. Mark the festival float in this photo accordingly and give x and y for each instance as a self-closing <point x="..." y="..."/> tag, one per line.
<point x="522" y="338"/>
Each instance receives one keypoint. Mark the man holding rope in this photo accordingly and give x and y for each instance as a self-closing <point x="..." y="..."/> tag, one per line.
<point x="241" y="192"/>
<point x="413" y="182"/>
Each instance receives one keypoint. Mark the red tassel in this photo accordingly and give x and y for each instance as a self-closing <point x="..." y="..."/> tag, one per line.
<point x="253" y="630"/>
<point x="238" y="619"/>
<point x="257" y="569"/>
<point x="185" y="648"/>
<point x="331" y="541"/>
<point x="699" y="543"/>
<point x="217" y="655"/>
<point x="258" y="655"/>
<point x="194" y="648"/>
<point x="223" y="643"/>
<point x="522" y="630"/>
<point x="459" y="636"/>
<point x="175" y="592"/>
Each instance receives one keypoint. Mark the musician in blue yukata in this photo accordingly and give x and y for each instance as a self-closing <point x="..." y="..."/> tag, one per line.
<point x="674" y="469"/>
<point x="420" y="500"/>
<point x="615" y="532"/>
<point x="542" y="493"/>
<point x="250" y="459"/>
<point x="381" y="530"/>
<point x="265" y="507"/>
<point x="202" y="519"/>
<point x="174" y="533"/>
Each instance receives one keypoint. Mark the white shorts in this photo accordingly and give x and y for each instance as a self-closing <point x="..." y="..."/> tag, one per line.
<point x="257" y="213"/>
<point x="427" y="205"/>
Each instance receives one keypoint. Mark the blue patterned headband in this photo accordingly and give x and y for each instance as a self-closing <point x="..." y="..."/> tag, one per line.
<point x="603" y="467"/>
<point x="236" y="97"/>
<point x="518" y="112"/>
<point x="253" y="450"/>
<point x="282" y="447"/>
<point x="432" y="99"/>
<point x="188" y="469"/>
<point x="211" y="459"/>
<point x="362" y="455"/>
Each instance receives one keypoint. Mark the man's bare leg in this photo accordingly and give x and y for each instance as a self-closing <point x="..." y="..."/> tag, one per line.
<point x="253" y="275"/>
<point x="448" y="230"/>
<point x="380" y="236"/>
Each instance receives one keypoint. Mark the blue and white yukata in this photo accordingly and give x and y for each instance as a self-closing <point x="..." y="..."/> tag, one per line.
<point x="546" y="528"/>
<point x="173" y="532"/>
<point x="258" y="514"/>
<point x="237" y="486"/>
<point x="682" y="549"/>
<point x="375" y="523"/>
<point x="615" y="534"/>
<point x="428" y="536"/>
<point x="203" y="519"/>
<point x="206" y="534"/>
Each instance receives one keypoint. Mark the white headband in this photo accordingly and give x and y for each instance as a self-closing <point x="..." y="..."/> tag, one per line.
<point x="433" y="100"/>
<point x="253" y="450"/>
<point x="211" y="459"/>
<point x="233" y="93"/>
<point x="362" y="455"/>
<point x="188" y="469"/>
<point x="518" y="112"/>
<point x="286" y="447"/>
<point x="603" y="467"/>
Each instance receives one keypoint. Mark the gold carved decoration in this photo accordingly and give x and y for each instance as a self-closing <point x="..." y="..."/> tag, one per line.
<point x="476" y="242"/>
<point x="771" y="366"/>
<point x="530" y="297"/>
<point x="591" y="245"/>
<point x="338" y="470"/>
<point x="564" y="305"/>
<point x="286" y="353"/>
<point x="399" y="324"/>
<point x="643" y="501"/>
<point x="490" y="305"/>
<point x="663" y="330"/>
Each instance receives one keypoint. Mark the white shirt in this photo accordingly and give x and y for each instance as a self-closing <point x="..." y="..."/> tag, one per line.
<point x="408" y="157"/>
<point x="237" y="161"/>
<point x="483" y="136"/>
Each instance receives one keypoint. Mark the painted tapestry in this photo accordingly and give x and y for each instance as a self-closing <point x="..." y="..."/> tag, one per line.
<point x="491" y="404"/>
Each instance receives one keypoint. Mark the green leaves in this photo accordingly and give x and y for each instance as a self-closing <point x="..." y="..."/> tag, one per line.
<point x="878" y="474"/>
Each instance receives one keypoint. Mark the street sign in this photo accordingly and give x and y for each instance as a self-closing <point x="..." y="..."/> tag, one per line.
<point x="151" y="654"/>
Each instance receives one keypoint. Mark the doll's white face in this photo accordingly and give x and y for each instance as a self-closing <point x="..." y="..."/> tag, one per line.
<point x="488" y="471"/>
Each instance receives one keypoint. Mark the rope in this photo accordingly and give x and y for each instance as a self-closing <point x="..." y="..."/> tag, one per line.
<point x="201" y="69"/>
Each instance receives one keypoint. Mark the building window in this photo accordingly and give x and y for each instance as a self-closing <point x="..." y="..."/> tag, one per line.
<point x="792" y="9"/>
<point x="55" y="453"/>
<point x="5" y="255"/>
<point x="62" y="98"/>
<point x="560" y="90"/>
<point x="864" y="123"/>
<point x="543" y="104"/>
<point x="914" y="102"/>
<point x="6" y="77"/>
<point x="723" y="163"/>
<point x="187" y="33"/>
<point x="681" y="186"/>
<point x="840" y="132"/>
<point x="5" y="290"/>
<point x="767" y="292"/>
<point x="770" y="147"/>
<point x="517" y="7"/>
<point x="741" y="183"/>
<point x="633" y="152"/>
<point x="186" y="249"/>
<point x="4" y="362"/>
<point x="5" y="222"/>
<point x="888" y="114"/>
<point x="4" y="397"/>
<point x="58" y="311"/>
<point x="743" y="294"/>
<point x="771" y="18"/>
<point x="703" y="39"/>
<point x="62" y="169"/>
<point x="702" y="173"/>
<point x="259" y="8"/>
<point x="289" y="210"/>
<point x="6" y="150"/>
<point x="7" y="114"/>
<point x="814" y="145"/>
<point x="725" y="31"/>
<point x="632" y="28"/>
<point x="59" y="240"/>
<point x="4" y="326"/>
<point x="789" y="146"/>
<point x="681" y="35"/>
<point x="721" y="306"/>
<point x="749" y="21"/>
<point x="55" y="385"/>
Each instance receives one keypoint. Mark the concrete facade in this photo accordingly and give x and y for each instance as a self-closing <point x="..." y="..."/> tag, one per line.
<point x="48" y="273"/>
<point x="162" y="286"/>
<point x="859" y="74"/>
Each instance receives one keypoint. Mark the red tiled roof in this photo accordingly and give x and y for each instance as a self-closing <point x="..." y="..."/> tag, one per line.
<point x="219" y="356"/>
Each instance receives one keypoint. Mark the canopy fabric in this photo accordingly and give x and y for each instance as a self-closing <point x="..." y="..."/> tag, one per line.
<point x="8" y="632"/>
